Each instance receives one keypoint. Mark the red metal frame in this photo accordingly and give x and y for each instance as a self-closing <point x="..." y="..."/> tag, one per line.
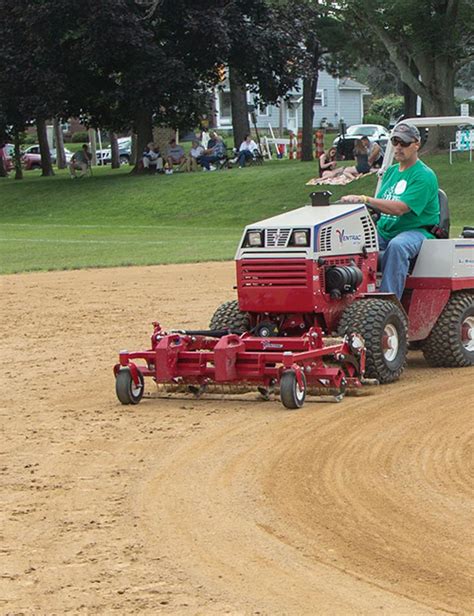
<point x="185" y="358"/>
<point x="283" y="286"/>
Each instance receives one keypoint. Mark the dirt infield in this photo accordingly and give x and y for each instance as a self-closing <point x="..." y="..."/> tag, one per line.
<point x="216" y="506"/>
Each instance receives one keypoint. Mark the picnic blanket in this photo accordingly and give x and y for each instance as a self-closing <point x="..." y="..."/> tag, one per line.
<point x="339" y="180"/>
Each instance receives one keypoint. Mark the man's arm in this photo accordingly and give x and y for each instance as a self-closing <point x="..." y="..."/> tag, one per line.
<point x="395" y="208"/>
<point x="375" y="154"/>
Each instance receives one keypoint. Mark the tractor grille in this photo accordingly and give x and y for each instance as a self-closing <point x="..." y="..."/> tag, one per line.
<point x="274" y="273"/>
<point x="325" y="239"/>
<point x="277" y="238"/>
<point x="370" y="235"/>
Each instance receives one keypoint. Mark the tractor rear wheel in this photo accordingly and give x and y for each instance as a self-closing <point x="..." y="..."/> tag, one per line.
<point x="451" y="341"/>
<point x="228" y="316"/>
<point x="383" y="325"/>
<point x="125" y="388"/>
<point x="291" y="394"/>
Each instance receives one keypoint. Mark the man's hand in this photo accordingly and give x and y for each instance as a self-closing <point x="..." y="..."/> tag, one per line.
<point x="352" y="199"/>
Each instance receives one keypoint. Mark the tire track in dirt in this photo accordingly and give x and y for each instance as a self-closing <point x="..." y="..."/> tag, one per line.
<point x="233" y="506"/>
<point x="364" y="490"/>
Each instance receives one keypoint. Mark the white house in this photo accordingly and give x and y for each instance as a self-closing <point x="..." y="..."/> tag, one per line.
<point x="336" y="99"/>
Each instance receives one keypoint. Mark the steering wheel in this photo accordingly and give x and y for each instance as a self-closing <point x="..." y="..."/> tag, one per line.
<point x="374" y="211"/>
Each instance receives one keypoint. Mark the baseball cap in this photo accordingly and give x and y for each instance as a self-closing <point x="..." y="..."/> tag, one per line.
<point x="406" y="132"/>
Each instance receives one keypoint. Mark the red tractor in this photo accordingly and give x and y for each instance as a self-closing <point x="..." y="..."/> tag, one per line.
<point x="309" y="315"/>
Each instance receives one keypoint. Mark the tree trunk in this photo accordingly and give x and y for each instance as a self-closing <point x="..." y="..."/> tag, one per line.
<point x="115" y="150"/>
<point x="60" y="155"/>
<point x="46" y="165"/>
<point x="310" y="84"/>
<point x="144" y="130"/>
<point x="17" y="157"/>
<point x="238" y="100"/>
<point x="3" y="171"/>
<point x="430" y="77"/>
<point x="409" y="109"/>
<point x="93" y="146"/>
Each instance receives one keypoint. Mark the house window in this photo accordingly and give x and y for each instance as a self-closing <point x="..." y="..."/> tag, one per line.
<point x="263" y="110"/>
<point x="224" y="105"/>
<point x="319" y="98"/>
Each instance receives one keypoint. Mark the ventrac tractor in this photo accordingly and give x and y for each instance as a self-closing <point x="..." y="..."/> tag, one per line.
<point x="309" y="317"/>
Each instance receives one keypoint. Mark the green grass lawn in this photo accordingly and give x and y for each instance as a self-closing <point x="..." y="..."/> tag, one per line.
<point x="114" y="218"/>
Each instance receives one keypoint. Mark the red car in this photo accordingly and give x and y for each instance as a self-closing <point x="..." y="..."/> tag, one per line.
<point x="28" y="161"/>
<point x="8" y="151"/>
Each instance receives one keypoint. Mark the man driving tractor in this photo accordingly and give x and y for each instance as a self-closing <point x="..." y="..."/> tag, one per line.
<point x="409" y="203"/>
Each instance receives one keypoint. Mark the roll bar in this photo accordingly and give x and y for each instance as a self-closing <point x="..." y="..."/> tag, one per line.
<point x="421" y="123"/>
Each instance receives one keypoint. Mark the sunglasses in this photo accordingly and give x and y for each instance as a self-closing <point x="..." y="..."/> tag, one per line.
<point x="397" y="141"/>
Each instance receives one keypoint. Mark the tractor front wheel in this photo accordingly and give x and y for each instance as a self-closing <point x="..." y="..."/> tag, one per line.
<point x="291" y="394"/>
<point x="451" y="341"/>
<point x="228" y="316"/>
<point x="383" y="325"/>
<point x="125" y="388"/>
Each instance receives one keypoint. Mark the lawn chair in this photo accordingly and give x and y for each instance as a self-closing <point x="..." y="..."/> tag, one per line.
<point x="223" y="163"/>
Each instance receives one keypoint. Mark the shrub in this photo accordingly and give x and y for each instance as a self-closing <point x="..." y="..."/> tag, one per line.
<point x="80" y="136"/>
<point x="374" y="118"/>
<point x="30" y="139"/>
<point x="391" y="106"/>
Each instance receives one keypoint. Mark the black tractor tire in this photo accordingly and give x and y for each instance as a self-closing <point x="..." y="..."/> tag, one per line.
<point x="126" y="390"/>
<point x="376" y="319"/>
<point x="291" y="396"/>
<point x="449" y="344"/>
<point x="228" y="316"/>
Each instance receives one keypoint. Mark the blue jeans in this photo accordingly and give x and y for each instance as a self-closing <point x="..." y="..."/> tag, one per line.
<point x="205" y="161"/>
<point x="395" y="259"/>
<point x="244" y="155"/>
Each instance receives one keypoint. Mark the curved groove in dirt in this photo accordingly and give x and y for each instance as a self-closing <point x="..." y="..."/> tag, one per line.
<point x="218" y="506"/>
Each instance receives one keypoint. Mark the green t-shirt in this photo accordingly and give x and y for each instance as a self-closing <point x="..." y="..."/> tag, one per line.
<point x="417" y="187"/>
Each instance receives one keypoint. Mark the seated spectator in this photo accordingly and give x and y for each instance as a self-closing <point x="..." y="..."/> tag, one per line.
<point x="361" y="156"/>
<point x="246" y="151"/>
<point x="211" y="142"/>
<point x="175" y="156"/>
<point x="194" y="155"/>
<point x="374" y="151"/>
<point x="80" y="161"/>
<point x="213" y="155"/>
<point x="152" y="158"/>
<point x="328" y="164"/>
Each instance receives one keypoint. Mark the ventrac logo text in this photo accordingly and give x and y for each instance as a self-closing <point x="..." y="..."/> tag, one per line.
<point x="351" y="237"/>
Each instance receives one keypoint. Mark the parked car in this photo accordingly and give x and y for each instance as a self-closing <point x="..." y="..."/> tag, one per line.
<point x="35" y="149"/>
<point x="9" y="150"/>
<point x="104" y="156"/>
<point x="345" y="144"/>
<point x="30" y="161"/>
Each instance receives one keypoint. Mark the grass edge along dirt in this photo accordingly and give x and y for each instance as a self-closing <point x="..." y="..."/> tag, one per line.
<point x="115" y="219"/>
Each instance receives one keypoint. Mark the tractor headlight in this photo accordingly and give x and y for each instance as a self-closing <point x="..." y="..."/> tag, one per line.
<point x="254" y="239"/>
<point x="299" y="237"/>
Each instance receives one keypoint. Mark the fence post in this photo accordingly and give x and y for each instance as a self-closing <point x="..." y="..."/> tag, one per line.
<point x="319" y="140"/>
<point x="299" y="143"/>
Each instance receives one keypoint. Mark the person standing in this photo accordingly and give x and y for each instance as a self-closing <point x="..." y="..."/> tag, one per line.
<point x="409" y="202"/>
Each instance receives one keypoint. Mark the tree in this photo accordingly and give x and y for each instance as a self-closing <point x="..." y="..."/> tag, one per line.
<point x="263" y="55"/>
<point x="428" y="41"/>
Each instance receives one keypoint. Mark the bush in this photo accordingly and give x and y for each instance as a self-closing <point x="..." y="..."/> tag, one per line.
<point x="388" y="107"/>
<point x="374" y="118"/>
<point x="80" y="136"/>
<point x="30" y="139"/>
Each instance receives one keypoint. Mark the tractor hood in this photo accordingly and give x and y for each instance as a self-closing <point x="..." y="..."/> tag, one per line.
<point x="309" y="232"/>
